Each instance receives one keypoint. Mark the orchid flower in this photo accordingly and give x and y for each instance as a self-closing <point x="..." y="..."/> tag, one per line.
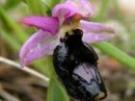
<point x="67" y="15"/>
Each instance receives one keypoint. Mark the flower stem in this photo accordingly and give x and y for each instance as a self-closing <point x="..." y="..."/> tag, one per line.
<point x="26" y="69"/>
<point x="116" y="53"/>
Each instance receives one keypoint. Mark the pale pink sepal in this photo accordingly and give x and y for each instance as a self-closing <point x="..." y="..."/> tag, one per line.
<point x="38" y="45"/>
<point x="95" y="27"/>
<point x="94" y="37"/>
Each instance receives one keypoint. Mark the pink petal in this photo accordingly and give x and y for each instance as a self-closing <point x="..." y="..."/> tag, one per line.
<point x="95" y="32"/>
<point x="85" y="8"/>
<point x="73" y="7"/>
<point x="64" y="11"/>
<point x="95" y="27"/>
<point x="93" y="37"/>
<point x="49" y="24"/>
<point x="40" y="44"/>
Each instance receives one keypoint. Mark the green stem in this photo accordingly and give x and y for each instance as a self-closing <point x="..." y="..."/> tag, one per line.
<point x="116" y="53"/>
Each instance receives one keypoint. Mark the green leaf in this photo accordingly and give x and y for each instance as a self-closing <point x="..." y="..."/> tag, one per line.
<point x="11" y="4"/>
<point x="54" y="2"/>
<point x="103" y="10"/>
<point x="37" y="7"/>
<point x="45" y="66"/>
<point x="11" y="26"/>
<point x="10" y="40"/>
<point x="56" y="91"/>
<point x="116" y="53"/>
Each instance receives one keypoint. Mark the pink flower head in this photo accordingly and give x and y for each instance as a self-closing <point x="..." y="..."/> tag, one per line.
<point x="43" y="42"/>
<point x="72" y="8"/>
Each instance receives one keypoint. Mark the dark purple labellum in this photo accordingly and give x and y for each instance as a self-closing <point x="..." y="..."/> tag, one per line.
<point x="76" y="65"/>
